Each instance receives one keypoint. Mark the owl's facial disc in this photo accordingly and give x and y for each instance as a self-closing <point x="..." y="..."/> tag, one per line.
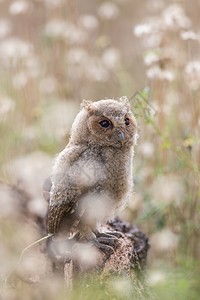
<point x="117" y="132"/>
<point x="111" y="124"/>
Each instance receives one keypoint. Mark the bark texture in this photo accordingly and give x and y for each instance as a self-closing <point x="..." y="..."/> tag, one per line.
<point x="129" y="257"/>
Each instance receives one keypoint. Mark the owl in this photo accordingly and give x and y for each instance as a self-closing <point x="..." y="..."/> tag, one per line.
<point x="92" y="179"/>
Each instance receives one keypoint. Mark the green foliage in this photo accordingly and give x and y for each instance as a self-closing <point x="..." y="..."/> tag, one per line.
<point x="110" y="287"/>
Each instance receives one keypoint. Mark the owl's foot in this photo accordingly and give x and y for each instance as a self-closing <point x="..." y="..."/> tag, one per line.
<point x="112" y="234"/>
<point x="104" y="245"/>
<point x="107" y="242"/>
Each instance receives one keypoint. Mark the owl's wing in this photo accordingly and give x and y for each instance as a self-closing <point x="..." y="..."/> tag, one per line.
<point x="55" y="215"/>
<point x="56" y="211"/>
<point x="62" y="200"/>
<point x="72" y="183"/>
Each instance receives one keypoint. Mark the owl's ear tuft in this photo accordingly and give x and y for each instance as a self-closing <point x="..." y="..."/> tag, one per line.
<point x="125" y="101"/>
<point x="86" y="104"/>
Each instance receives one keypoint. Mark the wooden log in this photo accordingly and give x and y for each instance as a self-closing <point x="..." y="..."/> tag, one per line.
<point x="129" y="257"/>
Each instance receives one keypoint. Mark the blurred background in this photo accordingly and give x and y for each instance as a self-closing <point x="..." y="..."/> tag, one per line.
<point x="54" y="54"/>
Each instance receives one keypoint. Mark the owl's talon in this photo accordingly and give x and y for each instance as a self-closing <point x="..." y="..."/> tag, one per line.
<point x="109" y="234"/>
<point x="106" y="242"/>
<point x="117" y="234"/>
<point x="110" y="241"/>
<point x="107" y="249"/>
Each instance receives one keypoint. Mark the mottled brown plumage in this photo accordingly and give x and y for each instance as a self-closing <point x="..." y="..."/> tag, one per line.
<point x="92" y="176"/>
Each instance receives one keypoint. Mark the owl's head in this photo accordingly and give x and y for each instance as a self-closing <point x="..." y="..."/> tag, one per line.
<point x="106" y="122"/>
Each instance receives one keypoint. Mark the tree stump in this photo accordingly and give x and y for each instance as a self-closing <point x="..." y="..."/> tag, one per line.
<point x="129" y="257"/>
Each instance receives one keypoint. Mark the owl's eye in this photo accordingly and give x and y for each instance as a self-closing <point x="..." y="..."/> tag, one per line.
<point x="105" y="124"/>
<point x="127" y="121"/>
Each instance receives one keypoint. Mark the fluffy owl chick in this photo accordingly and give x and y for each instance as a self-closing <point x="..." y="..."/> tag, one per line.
<point x="92" y="176"/>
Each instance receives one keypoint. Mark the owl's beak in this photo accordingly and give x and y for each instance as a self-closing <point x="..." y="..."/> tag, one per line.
<point x="120" y="136"/>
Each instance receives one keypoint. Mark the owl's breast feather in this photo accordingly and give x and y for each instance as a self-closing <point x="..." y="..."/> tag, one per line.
<point x="118" y="181"/>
